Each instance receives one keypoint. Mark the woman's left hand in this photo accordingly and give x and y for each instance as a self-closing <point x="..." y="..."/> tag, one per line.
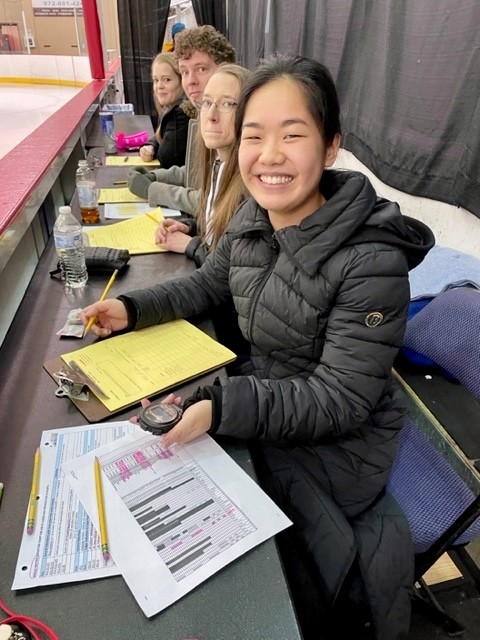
<point x="176" y="241"/>
<point x="197" y="419"/>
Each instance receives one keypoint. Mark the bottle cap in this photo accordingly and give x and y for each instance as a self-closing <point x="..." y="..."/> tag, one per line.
<point x="64" y="209"/>
<point x="82" y="162"/>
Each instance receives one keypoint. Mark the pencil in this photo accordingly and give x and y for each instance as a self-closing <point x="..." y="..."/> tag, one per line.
<point x="120" y="182"/>
<point x="32" y="509"/>
<point x="101" y="512"/>
<point x="152" y="217"/>
<point x="102" y="297"/>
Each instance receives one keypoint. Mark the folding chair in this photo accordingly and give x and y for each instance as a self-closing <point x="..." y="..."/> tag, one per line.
<point x="443" y="512"/>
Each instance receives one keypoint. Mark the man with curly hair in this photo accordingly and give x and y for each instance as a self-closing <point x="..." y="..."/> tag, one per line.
<point x="199" y="52"/>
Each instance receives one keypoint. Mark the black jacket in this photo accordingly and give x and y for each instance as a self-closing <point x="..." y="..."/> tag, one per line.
<point x="324" y="305"/>
<point x="173" y="133"/>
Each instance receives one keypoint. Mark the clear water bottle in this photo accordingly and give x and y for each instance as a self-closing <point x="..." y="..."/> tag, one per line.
<point x="68" y="237"/>
<point x="87" y="193"/>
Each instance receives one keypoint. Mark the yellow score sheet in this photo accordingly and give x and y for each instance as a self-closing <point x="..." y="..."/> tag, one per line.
<point x="129" y="161"/>
<point x="136" y="234"/>
<point x="116" y="194"/>
<point x="142" y="363"/>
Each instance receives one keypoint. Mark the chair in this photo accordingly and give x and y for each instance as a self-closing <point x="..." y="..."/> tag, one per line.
<point x="443" y="512"/>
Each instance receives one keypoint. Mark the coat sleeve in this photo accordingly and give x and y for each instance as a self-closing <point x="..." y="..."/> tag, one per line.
<point x="168" y="191"/>
<point x="354" y="366"/>
<point x="173" y="147"/>
<point x="191" y="295"/>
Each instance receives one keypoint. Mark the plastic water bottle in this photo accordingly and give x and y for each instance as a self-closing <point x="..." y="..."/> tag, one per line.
<point x="67" y="233"/>
<point x="87" y="193"/>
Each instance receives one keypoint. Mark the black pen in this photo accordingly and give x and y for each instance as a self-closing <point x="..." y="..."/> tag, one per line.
<point x="120" y="182"/>
<point x="1" y="493"/>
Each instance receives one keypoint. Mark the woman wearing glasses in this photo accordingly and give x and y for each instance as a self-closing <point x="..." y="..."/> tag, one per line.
<point x="219" y="197"/>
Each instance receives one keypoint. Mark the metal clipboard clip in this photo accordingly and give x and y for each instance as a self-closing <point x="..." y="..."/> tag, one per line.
<point x="74" y="383"/>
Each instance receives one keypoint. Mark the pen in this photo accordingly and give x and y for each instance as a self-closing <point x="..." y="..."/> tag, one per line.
<point x="102" y="297"/>
<point x="1" y="493"/>
<point x="32" y="509"/>
<point x="101" y="512"/>
<point x="120" y="182"/>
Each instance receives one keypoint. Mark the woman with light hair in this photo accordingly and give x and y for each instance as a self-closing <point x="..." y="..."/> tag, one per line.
<point x="169" y="145"/>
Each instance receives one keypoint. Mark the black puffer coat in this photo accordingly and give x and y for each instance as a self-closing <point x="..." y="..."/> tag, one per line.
<point x="323" y="305"/>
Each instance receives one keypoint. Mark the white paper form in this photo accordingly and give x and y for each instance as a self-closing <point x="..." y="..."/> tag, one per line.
<point x="64" y="546"/>
<point x="174" y="516"/>
<point x="125" y="210"/>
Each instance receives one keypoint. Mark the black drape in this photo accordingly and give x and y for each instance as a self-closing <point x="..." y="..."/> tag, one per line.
<point x="211" y="12"/>
<point x="142" y="30"/>
<point x="407" y="77"/>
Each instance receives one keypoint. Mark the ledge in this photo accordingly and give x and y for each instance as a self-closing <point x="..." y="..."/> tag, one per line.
<point x="29" y="171"/>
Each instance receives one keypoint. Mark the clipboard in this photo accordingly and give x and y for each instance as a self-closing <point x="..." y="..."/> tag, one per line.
<point x="169" y="367"/>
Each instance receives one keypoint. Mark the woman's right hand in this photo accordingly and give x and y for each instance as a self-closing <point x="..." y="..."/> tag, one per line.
<point x="110" y="315"/>
<point x="146" y="152"/>
<point x="169" y="226"/>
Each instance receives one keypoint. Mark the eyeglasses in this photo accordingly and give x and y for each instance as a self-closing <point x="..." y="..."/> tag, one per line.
<point x="226" y="106"/>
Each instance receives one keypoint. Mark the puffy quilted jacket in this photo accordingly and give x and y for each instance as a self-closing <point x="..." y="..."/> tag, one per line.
<point x="324" y="306"/>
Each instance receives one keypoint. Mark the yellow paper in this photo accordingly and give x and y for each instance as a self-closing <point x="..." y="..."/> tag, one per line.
<point x="129" y="161"/>
<point x="142" y="363"/>
<point x="136" y="234"/>
<point x="122" y="194"/>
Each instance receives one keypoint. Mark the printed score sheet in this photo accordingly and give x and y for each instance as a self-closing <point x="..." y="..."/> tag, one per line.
<point x="125" y="210"/>
<point x="64" y="546"/>
<point x="139" y="364"/>
<point x="174" y="516"/>
<point x="137" y="234"/>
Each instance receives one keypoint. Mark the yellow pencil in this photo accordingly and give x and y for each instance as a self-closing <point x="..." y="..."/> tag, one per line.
<point x="102" y="297"/>
<point x="32" y="508"/>
<point x="152" y="217"/>
<point x="101" y="512"/>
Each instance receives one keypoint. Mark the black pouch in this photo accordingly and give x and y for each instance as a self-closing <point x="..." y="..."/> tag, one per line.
<point x="105" y="259"/>
<point x="102" y="260"/>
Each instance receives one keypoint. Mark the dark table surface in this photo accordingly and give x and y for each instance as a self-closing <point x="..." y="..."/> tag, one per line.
<point x="248" y="599"/>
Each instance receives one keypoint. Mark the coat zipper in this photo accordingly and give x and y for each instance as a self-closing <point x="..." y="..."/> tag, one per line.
<point x="275" y="250"/>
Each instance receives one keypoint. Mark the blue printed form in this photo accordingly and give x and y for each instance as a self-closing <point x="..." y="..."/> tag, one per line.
<point x="65" y="545"/>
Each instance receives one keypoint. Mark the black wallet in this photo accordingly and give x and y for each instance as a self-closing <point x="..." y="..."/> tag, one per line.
<point x="102" y="260"/>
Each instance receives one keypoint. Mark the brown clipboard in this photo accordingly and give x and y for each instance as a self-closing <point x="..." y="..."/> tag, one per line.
<point x="93" y="409"/>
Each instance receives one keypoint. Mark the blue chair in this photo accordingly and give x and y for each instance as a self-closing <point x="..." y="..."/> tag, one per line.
<point x="442" y="511"/>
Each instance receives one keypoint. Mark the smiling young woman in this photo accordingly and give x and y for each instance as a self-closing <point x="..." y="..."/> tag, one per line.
<point x="308" y="261"/>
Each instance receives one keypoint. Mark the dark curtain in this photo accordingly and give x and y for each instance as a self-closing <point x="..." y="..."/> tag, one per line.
<point x="407" y="77"/>
<point x="142" y="30"/>
<point x="211" y="12"/>
<point x="246" y="30"/>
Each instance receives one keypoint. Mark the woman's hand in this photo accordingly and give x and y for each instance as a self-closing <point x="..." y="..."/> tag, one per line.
<point x="176" y="242"/>
<point x="197" y="419"/>
<point x="110" y="315"/>
<point x="169" y="226"/>
<point x="146" y="152"/>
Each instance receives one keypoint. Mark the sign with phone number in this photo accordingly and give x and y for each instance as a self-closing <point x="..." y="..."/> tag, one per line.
<point x="57" y="7"/>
